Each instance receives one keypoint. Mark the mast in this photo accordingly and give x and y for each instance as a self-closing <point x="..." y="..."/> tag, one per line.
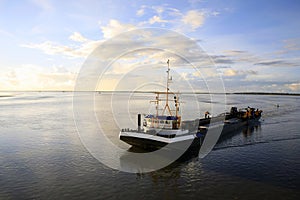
<point x="168" y="77"/>
<point x="155" y="120"/>
<point x="167" y="90"/>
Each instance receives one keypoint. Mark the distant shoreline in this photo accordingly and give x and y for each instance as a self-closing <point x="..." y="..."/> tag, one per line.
<point x="107" y="92"/>
<point x="6" y="96"/>
<point x="265" y="93"/>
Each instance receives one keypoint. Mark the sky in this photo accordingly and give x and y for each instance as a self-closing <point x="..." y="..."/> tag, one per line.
<point x="254" y="45"/>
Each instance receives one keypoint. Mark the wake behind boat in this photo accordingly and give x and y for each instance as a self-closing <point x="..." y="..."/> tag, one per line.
<point x="165" y="126"/>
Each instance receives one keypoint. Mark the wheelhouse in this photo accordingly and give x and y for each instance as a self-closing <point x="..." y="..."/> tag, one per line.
<point x="161" y="122"/>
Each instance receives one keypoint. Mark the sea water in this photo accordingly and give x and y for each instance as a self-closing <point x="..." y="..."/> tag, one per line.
<point x="42" y="156"/>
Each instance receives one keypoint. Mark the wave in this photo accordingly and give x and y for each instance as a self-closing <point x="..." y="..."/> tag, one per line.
<point x="256" y="143"/>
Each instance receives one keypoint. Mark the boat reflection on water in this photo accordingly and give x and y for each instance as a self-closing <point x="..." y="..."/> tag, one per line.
<point x="249" y="130"/>
<point x="246" y="130"/>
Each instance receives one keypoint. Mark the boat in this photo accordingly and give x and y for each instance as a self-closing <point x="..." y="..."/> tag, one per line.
<point x="166" y="128"/>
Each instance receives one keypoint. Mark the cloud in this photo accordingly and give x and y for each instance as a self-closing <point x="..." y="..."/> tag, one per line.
<point x="139" y="55"/>
<point x="290" y="47"/>
<point x="52" y="48"/>
<point x="240" y="56"/>
<point x="86" y="46"/>
<point x="194" y="18"/>
<point x="49" y="47"/>
<point x="292" y="44"/>
<point x="234" y="52"/>
<point x="77" y="37"/>
<point x="222" y="59"/>
<point x="82" y="47"/>
<point x="254" y="86"/>
<point x="293" y="86"/>
<point x="272" y="63"/>
<point x="33" y="77"/>
<point x="215" y="13"/>
<point x="114" y="28"/>
<point x="230" y="72"/>
<point x="141" y="11"/>
<point x="159" y="15"/>
<point x="277" y="63"/>
<point x="156" y="19"/>
<point x="233" y="72"/>
<point x="158" y="10"/>
<point x="186" y="22"/>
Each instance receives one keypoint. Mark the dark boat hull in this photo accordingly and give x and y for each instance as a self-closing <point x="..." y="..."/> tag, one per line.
<point x="154" y="142"/>
<point x="147" y="144"/>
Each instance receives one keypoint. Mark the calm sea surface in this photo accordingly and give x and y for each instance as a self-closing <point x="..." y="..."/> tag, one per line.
<point x="42" y="157"/>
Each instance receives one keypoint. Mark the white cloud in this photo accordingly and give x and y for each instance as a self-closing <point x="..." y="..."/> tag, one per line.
<point x="49" y="47"/>
<point x="156" y="19"/>
<point x="158" y="10"/>
<point x="215" y="13"/>
<point x="77" y="37"/>
<point x="52" y="48"/>
<point x="114" y="28"/>
<point x="194" y="18"/>
<point x="186" y="22"/>
<point x="140" y="12"/>
<point x="85" y="47"/>
<point x="242" y="73"/>
<point x="32" y="77"/>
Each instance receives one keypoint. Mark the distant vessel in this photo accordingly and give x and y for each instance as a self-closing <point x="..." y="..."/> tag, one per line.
<point x="166" y="127"/>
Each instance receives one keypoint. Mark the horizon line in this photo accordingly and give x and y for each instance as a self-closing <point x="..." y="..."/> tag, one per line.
<point x="184" y="92"/>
